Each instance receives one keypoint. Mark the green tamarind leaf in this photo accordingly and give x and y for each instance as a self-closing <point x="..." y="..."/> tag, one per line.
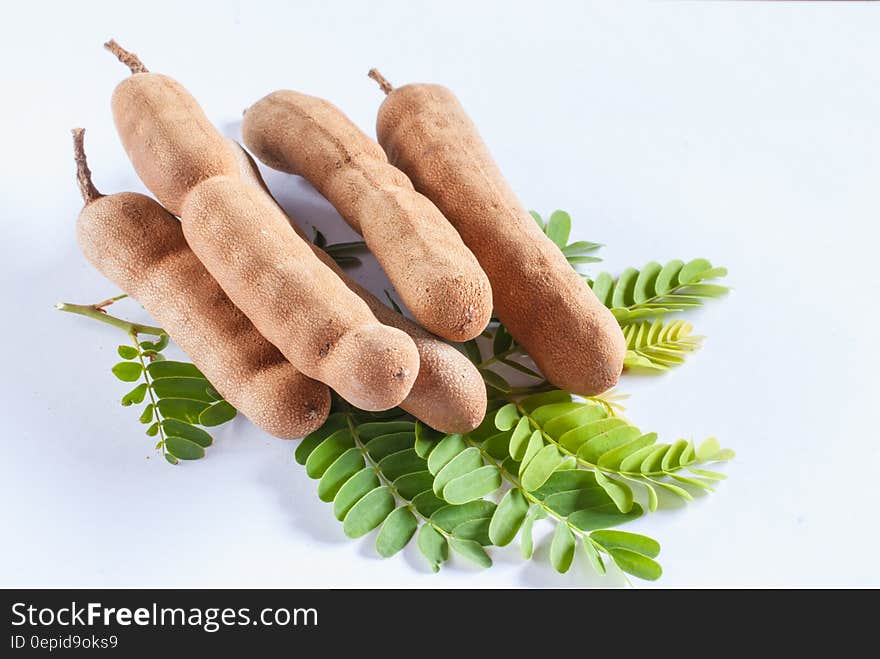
<point x="623" y="540"/>
<point x="623" y="289"/>
<point x="643" y="289"/>
<point x="580" y="416"/>
<point x="463" y="463"/>
<point x="580" y="247"/>
<point x="147" y="414"/>
<point x="336" y="475"/>
<point x="136" y="395"/>
<point x="691" y="271"/>
<point x="401" y="463"/>
<point x="593" y="555"/>
<point x="426" y="439"/>
<point x="569" y="501"/>
<point x="574" y="439"/>
<point x="533" y="402"/>
<point x="396" y="532"/>
<point x="502" y="340"/>
<point x="369" y="512"/>
<point x="708" y="449"/>
<point x="536" y="443"/>
<point x="597" y="446"/>
<point x="508" y="518"/>
<point x="564" y="481"/>
<point x="540" y="467"/>
<point x="183" y="449"/>
<point x="127" y="352"/>
<point x="127" y="371"/>
<point x="172" y="369"/>
<point x="353" y="490"/>
<point x="651" y="464"/>
<point x="636" y="564"/>
<point x="308" y="444"/>
<point x="506" y="417"/>
<point x="616" y="457"/>
<point x="446" y="449"/>
<point x="474" y="529"/>
<point x="618" y="491"/>
<point x="156" y="346"/>
<point x="498" y="445"/>
<point x="559" y="228"/>
<point x="217" y="414"/>
<point x="603" y="287"/>
<point x="433" y="546"/>
<point x="427" y="503"/>
<point x="471" y="550"/>
<point x="473" y="485"/>
<point x="373" y="429"/>
<point x="671" y="457"/>
<point x="668" y="277"/>
<point x="519" y="439"/>
<point x="411" y="485"/>
<point x="326" y="453"/>
<point x="385" y="445"/>
<point x="562" y="548"/>
<point x="495" y="381"/>
<point x="602" y="517"/>
<point x="177" y="428"/>
<point x="190" y="388"/>
<point x="448" y="517"/>
<point x="546" y="413"/>
<point x="181" y="409"/>
<point x="527" y="543"/>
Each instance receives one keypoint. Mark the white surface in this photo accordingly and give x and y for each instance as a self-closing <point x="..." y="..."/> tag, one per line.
<point x="742" y="132"/>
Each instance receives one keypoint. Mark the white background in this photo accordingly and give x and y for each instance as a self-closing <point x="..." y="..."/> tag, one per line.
<point x="746" y="133"/>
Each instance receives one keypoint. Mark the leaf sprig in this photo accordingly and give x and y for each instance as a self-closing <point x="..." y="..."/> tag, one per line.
<point x="411" y="482"/>
<point x="558" y="229"/>
<point x="658" y="289"/>
<point x="656" y="346"/>
<point x="177" y="396"/>
<point x="373" y="473"/>
<point x="180" y="399"/>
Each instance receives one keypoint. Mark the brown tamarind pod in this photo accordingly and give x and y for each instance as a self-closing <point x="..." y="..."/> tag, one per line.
<point x="435" y="274"/>
<point x="247" y="245"/>
<point x="547" y="307"/>
<point x="169" y="140"/>
<point x="140" y="247"/>
<point x="296" y="302"/>
<point x="449" y="394"/>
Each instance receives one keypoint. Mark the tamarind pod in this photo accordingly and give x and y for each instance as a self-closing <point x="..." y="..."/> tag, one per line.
<point x="547" y="307"/>
<point x="140" y="247"/>
<point x="435" y="274"/>
<point x="449" y="394"/>
<point x="169" y="140"/>
<point x="294" y="300"/>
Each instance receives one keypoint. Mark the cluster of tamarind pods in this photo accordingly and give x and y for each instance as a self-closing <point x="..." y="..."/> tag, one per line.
<point x="271" y="319"/>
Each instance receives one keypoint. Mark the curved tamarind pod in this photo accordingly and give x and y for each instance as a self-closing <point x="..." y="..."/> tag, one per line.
<point x="247" y="245"/>
<point x="296" y="302"/>
<point x="435" y="274"/>
<point x="169" y="140"/>
<point x="547" y="307"/>
<point x="449" y="394"/>
<point x="140" y="247"/>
